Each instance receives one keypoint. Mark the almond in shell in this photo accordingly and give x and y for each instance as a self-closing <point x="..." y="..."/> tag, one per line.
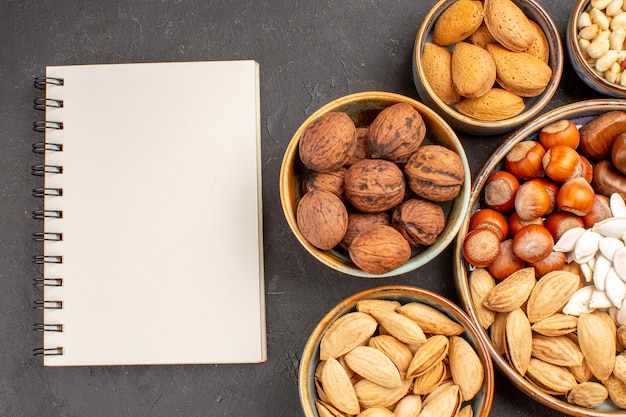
<point x="409" y="406"/>
<point x="428" y="381"/>
<point x="617" y="390"/>
<point x="557" y="350"/>
<point x="457" y="22"/>
<point x="508" y="24"/>
<point x="431" y="352"/>
<point x="540" y="47"/>
<point x="347" y="332"/>
<point x="397" y="351"/>
<point x="495" y="104"/>
<point x="519" y="340"/>
<point x="587" y="394"/>
<point x="597" y="344"/>
<point x="520" y="72"/>
<point x="557" y="324"/>
<point x="551" y="292"/>
<point x="480" y="283"/>
<point x="443" y="403"/>
<point x="370" y="394"/>
<point x="466" y="367"/>
<point x="437" y="64"/>
<point x="473" y="70"/>
<point x="512" y="292"/>
<point x="430" y="319"/>
<point x="374" y="365"/>
<point x="400" y="326"/>
<point x="551" y="378"/>
<point x="339" y="388"/>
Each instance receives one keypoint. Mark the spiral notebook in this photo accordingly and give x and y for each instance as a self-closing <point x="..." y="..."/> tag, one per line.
<point x="151" y="210"/>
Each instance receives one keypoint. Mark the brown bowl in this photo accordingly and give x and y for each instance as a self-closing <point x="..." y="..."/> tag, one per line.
<point x="459" y="121"/>
<point x="585" y="71"/>
<point x="481" y="403"/>
<point x="580" y="113"/>
<point x="362" y="108"/>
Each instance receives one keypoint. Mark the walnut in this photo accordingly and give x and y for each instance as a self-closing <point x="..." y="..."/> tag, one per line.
<point x="374" y="185"/>
<point x="322" y="219"/>
<point x="362" y="150"/>
<point x="328" y="142"/>
<point x="357" y="222"/>
<point x="379" y="249"/>
<point x="435" y="173"/>
<point x="419" y="221"/>
<point x="330" y="181"/>
<point x="396" y="132"/>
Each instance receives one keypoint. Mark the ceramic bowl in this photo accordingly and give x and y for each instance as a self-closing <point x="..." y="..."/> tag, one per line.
<point x="580" y="113"/>
<point x="362" y="108"/>
<point x="481" y="403"/>
<point x="463" y="123"/>
<point x="588" y="74"/>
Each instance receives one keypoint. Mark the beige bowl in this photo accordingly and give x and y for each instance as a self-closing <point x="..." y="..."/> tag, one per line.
<point x="580" y="113"/>
<point x="481" y="404"/>
<point x="470" y="125"/>
<point x="583" y="69"/>
<point x="362" y="108"/>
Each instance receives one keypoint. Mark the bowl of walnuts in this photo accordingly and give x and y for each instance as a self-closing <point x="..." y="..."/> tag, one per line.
<point x="397" y="348"/>
<point x="374" y="184"/>
<point x="487" y="67"/>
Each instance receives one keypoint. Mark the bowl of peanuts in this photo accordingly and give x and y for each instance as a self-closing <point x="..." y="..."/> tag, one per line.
<point x="532" y="267"/>
<point x="595" y="42"/>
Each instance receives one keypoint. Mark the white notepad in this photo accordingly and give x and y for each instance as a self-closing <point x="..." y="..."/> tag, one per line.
<point x="161" y="250"/>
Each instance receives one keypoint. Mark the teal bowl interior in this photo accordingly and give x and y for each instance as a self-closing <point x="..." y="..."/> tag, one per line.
<point x="481" y="404"/>
<point x="580" y="113"/>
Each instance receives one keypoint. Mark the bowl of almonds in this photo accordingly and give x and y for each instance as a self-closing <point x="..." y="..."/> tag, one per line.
<point x="595" y="45"/>
<point x="374" y="184"/>
<point x="396" y="351"/>
<point x="541" y="260"/>
<point x="487" y="67"/>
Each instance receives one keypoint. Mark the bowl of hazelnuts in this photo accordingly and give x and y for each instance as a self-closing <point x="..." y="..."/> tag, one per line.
<point x="375" y="184"/>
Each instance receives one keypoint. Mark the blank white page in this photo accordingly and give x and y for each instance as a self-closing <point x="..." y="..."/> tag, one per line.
<point x="162" y="224"/>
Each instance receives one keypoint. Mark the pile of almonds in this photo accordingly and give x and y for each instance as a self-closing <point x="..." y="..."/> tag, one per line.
<point x="486" y="57"/>
<point x="547" y="254"/>
<point x="388" y="359"/>
<point x="375" y="191"/>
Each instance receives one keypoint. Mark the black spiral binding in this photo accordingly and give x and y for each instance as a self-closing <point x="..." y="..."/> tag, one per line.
<point x="41" y="170"/>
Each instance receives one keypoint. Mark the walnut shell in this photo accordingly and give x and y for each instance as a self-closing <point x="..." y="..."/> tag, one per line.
<point x="374" y="185"/>
<point x="379" y="249"/>
<point x="396" y="132"/>
<point x="328" y="142"/>
<point x="419" y="221"/>
<point x="357" y="222"/>
<point x="362" y="150"/>
<point x="435" y="173"/>
<point x="330" y="181"/>
<point x="322" y="219"/>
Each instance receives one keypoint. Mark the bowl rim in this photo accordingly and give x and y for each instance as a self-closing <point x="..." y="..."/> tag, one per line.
<point x="460" y="203"/>
<point x="577" y="109"/>
<point x="476" y="124"/>
<point x="594" y="80"/>
<point x="389" y="291"/>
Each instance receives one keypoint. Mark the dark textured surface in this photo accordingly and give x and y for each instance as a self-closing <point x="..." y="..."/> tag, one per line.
<point x="310" y="52"/>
